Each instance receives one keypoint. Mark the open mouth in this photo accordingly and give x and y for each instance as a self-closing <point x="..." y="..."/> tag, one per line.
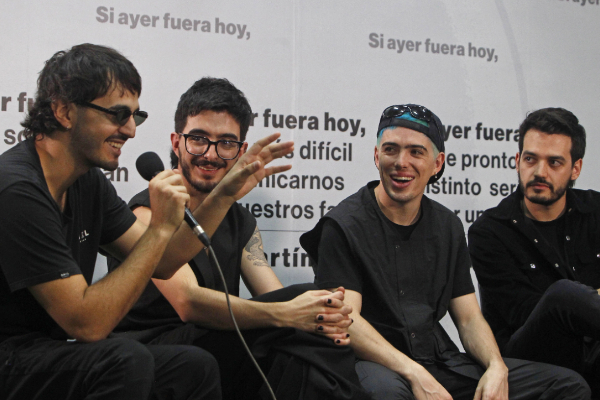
<point x="207" y="167"/>
<point x="402" y="179"/>
<point x="115" y="144"/>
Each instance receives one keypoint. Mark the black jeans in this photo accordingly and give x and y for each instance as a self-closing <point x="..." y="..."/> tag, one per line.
<point x="116" y="368"/>
<point x="563" y="329"/>
<point x="526" y="381"/>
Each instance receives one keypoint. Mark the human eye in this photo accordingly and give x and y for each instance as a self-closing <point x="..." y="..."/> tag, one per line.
<point x="228" y="144"/>
<point x="196" y="139"/>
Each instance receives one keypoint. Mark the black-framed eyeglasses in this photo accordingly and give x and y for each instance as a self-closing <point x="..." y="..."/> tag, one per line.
<point x="418" y="112"/>
<point x="122" y="115"/>
<point x="227" y="149"/>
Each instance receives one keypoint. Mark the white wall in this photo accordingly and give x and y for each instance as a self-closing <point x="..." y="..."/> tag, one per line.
<point x="312" y="58"/>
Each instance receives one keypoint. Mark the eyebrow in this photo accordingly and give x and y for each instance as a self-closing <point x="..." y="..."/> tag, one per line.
<point x="531" y="153"/>
<point x="410" y="146"/>
<point x="202" y="132"/>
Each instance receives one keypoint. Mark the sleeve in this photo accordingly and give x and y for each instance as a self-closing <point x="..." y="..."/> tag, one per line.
<point x="336" y="265"/>
<point x="33" y="249"/>
<point x="463" y="284"/>
<point x="117" y="217"/>
<point x="505" y="286"/>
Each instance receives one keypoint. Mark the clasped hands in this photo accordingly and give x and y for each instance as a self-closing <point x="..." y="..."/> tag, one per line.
<point x="322" y="312"/>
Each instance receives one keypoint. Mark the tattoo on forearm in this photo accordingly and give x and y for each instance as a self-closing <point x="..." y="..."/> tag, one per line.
<point x="254" y="248"/>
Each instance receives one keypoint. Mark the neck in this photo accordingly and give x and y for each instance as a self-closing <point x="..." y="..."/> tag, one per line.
<point x="540" y="212"/>
<point x="399" y="213"/>
<point x="60" y="168"/>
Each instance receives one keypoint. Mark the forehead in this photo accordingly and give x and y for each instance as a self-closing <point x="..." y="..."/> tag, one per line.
<point x="213" y="123"/>
<point x="543" y="143"/>
<point x="405" y="136"/>
<point x="116" y="96"/>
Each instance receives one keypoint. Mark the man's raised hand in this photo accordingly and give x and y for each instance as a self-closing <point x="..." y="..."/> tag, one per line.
<point x="251" y="167"/>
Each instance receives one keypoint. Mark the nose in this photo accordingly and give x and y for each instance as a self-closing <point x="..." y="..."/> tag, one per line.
<point x="541" y="169"/>
<point x="129" y="128"/>
<point x="211" y="152"/>
<point x="402" y="159"/>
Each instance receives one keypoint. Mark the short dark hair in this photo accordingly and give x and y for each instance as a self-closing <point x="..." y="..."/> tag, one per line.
<point x="212" y="94"/>
<point x="556" y="121"/>
<point x="81" y="74"/>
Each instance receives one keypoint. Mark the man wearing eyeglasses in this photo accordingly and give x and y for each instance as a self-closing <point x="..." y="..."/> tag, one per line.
<point x="403" y="260"/>
<point x="57" y="209"/>
<point x="211" y="122"/>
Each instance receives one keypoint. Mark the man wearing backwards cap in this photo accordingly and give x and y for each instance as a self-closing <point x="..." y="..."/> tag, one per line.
<point x="404" y="262"/>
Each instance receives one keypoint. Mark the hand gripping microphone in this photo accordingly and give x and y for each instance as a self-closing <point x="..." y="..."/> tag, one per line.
<point x="149" y="165"/>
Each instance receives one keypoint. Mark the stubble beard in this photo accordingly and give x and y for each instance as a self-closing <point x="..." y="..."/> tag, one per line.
<point x="199" y="185"/>
<point x="555" y="194"/>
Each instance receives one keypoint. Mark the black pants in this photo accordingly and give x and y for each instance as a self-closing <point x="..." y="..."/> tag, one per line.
<point x="108" y="369"/>
<point x="557" y="328"/>
<point x="298" y="365"/>
<point x="526" y="381"/>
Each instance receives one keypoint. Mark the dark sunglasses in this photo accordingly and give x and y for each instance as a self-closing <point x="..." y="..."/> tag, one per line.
<point x="419" y="112"/>
<point x="122" y="115"/>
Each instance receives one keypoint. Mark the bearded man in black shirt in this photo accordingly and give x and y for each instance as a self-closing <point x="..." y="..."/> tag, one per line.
<point x="403" y="260"/>
<point x="57" y="209"/>
<point x="211" y="123"/>
<point x="537" y="254"/>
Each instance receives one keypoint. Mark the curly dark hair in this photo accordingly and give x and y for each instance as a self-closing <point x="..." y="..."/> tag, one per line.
<point x="81" y="74"/>
<point x="213" y="94"/>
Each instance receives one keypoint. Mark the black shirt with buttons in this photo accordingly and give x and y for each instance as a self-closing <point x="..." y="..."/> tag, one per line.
<point x="406" y="275"/>
<point x="516" y="259"/>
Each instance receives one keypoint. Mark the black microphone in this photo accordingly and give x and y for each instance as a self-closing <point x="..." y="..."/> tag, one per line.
<point x="149" y="165"/>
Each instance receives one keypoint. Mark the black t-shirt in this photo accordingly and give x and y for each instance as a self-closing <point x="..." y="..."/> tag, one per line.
<point x="553" y="233"/>
<point x="153" y="309"/>
<point x="39" y="243"/>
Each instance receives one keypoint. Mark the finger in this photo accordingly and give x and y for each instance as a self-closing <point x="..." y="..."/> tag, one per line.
<point x="334" y="318"/>
<point x="260" y="144"/>
<point x="342" y="342"/>
<point x="325" y="329"/>
<point x="276" y="150"/>
<point x="478" y="392"/>
<point x="340" y="289"/>
<point x="333" y="303"/>
<point x="277" y="169"/>
<point x="341" y="336"/>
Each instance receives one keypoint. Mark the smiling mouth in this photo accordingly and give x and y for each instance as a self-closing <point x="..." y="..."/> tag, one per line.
<point x="207" y="168"/>
<point x="115" y="144"/>
<point x="402" y="178"/>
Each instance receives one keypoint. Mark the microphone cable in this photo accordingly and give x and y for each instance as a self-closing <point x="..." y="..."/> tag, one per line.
<point x="237" y="329"/>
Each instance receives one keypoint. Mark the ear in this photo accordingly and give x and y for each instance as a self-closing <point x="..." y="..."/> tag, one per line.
<point x="576" y="170"/>
<point x="176" y="141"/>
<point x="376" y="157"/>
<point x="517" y="158"/>
<point x="439" y="161"/>
<point x="65" y="113"/>
<point x="243" y="149"/>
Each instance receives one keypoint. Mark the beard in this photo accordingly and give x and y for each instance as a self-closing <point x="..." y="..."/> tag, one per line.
<point x="547" y="200"/>
<point x="200" y="185"/>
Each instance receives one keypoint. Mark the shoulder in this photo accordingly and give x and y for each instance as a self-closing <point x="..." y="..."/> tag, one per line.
<point x="142" y="199"/>
<point x="20" y="164"/>
<point x="589" y="199"/>
<point x="442" y="215"/>
<point x="504" y="211"/>
<point x="352" y="212"/>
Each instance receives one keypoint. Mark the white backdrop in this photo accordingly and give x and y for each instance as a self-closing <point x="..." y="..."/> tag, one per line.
<point x="479" y="65"/>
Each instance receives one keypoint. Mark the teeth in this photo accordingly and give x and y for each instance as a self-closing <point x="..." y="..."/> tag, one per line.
<point x="116" y="145"/>
<point x="403" y="178"/>
<point x="207" y="169"/>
